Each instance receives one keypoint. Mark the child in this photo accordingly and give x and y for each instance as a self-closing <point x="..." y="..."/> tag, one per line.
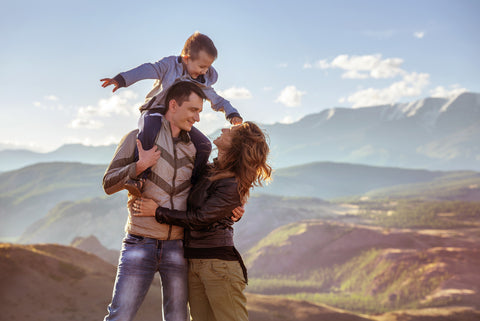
<point x="194" y="64"/>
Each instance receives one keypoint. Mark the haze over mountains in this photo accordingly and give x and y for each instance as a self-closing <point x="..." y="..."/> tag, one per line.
<point x="431" y="133"/>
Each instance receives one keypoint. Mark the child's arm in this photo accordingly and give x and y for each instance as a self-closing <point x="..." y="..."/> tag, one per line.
<point x="221" y="104"/>
<point x="145" y="71"/>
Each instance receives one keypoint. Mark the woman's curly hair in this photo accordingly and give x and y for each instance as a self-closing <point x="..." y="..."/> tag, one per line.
<point x="246" y="158"/>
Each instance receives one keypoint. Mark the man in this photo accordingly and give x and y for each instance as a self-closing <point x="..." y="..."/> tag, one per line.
<point x="149" y="246"/>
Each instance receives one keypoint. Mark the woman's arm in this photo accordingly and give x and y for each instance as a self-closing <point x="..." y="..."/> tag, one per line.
<point x="219" y="204"/>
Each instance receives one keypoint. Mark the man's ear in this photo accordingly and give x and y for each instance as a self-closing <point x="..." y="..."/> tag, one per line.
<point x="172" y="105"/>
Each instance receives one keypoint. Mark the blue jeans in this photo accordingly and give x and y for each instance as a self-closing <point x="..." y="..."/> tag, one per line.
<point x="140" y="258"/>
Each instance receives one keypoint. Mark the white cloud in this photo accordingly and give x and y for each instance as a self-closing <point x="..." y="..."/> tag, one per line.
<point x="319" y="64"/>
<point x="442" y="92"/>
<point x="419" y="34"/>
<point x="362" y="67"/>
<point x="368" y="66"/>
<point x="290" y="96"/>
<point x="410" y="86"/>
<point x="85" y="123"/>
<point x="354" y="74"/>
<point x="267" y="88"/>
<point x="282" y="65"/>
<point x="49" y="103"/>
<point x="51" y="98"/>
<point x="122" y="104"/>
<point x="235" y="93"/>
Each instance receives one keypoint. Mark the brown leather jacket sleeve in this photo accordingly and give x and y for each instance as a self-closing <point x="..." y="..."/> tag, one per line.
<point x="222" y="198"/>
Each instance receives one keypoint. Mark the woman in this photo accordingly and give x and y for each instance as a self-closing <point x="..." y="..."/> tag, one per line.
<point x="217" y="275"/>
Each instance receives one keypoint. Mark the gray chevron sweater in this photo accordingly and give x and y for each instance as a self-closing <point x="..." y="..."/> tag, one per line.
<point x="168" y="184"/>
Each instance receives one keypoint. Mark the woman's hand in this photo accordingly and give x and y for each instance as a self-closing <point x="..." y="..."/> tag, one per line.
<point x="237" y="213"/>
<point x="144" y="207"/>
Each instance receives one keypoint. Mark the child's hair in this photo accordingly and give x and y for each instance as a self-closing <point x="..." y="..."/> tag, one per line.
<point x="196" y="43"/>
<point x="181" y="91"/>
<point x="246" y="158"/>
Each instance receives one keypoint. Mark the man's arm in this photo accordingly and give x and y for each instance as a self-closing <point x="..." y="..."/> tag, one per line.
<point x="123" y="166"/>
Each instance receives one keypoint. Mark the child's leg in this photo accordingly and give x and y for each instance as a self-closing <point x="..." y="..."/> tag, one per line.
<point x="149" y="124"/>
<point x="204" y="148"/>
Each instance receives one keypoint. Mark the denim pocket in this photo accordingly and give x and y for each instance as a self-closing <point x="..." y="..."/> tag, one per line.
<point x="133" y="239"/>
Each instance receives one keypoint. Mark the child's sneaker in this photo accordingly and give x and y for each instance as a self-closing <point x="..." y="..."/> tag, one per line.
<point x="134" y="186"/>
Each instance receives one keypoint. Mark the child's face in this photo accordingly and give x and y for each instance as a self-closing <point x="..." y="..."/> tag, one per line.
<point x="198" y="66"/>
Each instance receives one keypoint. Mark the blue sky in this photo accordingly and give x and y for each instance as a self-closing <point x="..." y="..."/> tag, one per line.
<point x="278" y="60"/>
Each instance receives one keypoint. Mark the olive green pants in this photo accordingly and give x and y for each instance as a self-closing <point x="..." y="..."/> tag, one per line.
<point x="215" y="290"/>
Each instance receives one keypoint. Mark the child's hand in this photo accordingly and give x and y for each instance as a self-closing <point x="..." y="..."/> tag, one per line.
<point x="236" y="121"/>
<point x="108" y="82"/>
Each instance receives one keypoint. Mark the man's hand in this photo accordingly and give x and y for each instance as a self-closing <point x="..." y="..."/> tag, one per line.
<point x="237" y="213"/>
<point x="236" y="121"/>
<point x="146" y="158"/>
<point x="109" y="81"/>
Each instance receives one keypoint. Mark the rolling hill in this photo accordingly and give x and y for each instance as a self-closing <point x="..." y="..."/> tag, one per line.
<point x="65" y="200"/>
<point x="52" y="282"/>
<point x="334" y="180"/>
<point x="368" y="269"/>
<point x="27" y="194"/>
<point x="48" y="282"/>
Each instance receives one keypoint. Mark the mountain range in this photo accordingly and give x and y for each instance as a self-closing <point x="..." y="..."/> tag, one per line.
<point x="431" y="133"/>
<point x="55" y="202"/>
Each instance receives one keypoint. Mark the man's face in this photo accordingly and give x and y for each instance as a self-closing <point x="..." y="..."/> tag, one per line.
<point x="198" y="66"/>
<point x="188" y="113"/>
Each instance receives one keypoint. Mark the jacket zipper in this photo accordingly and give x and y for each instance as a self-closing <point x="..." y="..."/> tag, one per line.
<point x="173" y="184"/>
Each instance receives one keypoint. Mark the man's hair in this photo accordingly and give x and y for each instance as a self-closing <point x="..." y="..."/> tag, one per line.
<point x="198" y="42"/>
<point x="181" y="91"/>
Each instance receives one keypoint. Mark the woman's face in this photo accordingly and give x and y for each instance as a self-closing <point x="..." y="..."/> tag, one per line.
<point x="224" y="141"/>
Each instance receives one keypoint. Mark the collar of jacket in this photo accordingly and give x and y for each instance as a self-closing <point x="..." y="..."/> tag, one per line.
<point x="200" y="79"/>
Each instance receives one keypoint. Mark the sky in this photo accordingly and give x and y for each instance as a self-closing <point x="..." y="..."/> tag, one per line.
<point x="278" y="61"/>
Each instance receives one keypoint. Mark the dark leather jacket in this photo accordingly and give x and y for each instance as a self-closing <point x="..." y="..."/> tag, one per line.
<point x="207" y="219"/>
